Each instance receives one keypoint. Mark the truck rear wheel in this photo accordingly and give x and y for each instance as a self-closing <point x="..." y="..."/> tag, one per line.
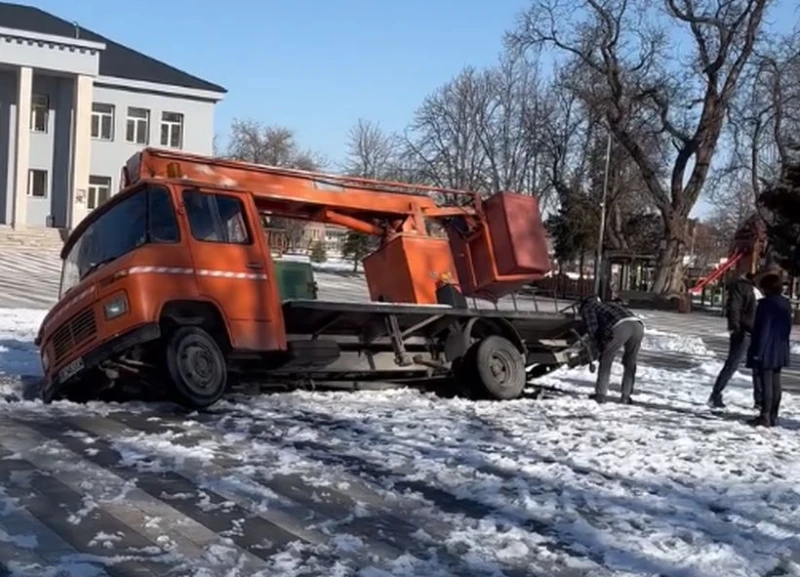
<point x="499" y="369"/>
<point x="197" y="367"/>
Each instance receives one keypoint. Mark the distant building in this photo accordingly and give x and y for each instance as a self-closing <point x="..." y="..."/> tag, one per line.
<point x="74" y="106"/>
<point x="331" y="235"/>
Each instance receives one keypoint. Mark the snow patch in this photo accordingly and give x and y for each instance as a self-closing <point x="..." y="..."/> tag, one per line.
<point x="656" y="340"/>
<point x="18" y="354"/>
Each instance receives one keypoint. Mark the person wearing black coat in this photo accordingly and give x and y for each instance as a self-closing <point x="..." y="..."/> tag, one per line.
<point x="741" y="311"/>
<point x="770" y="346"/>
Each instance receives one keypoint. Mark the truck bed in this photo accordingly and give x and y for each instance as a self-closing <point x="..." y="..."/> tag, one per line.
<point x="318" y="317"/>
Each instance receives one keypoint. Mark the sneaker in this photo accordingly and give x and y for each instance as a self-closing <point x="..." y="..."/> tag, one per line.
<point x="716" y="403"/>
<point x="626" y="401"/>
<point x="598" y="398"/>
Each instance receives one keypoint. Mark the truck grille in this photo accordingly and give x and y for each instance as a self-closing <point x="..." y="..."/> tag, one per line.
<point x="80" y="329"/>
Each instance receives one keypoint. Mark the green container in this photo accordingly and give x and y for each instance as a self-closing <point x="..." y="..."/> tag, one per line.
<point x="295" y="280"/>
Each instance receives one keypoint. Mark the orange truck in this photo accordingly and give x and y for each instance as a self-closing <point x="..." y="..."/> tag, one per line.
<point x="170" y="288"/>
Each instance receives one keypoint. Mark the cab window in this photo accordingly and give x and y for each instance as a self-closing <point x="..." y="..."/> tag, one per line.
<point x="147" y="216"/>
<point x="216" y="217"/>
<point x="162" y="223"/>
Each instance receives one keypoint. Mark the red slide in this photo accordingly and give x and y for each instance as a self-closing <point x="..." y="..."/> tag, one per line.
<point x="717" y="272"/>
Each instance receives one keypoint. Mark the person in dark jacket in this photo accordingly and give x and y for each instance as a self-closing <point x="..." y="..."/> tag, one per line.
<point x="769" y="349"/>
<point x="610" y="326"/>
<point x="741" y="311"/>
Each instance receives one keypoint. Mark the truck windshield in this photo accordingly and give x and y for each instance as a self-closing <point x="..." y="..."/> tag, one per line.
<point x="145" y="216"/>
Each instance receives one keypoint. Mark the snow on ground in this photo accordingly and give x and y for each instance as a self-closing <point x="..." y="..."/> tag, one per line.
<point x="557" y="487"/>
<point x="18" y="355"/>
<point x="656" y="340"/>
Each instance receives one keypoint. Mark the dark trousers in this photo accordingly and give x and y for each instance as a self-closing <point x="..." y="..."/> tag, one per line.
<point x="628" y="334"/>
<point x="771" y="380"/>
<point x="737" y="349"/>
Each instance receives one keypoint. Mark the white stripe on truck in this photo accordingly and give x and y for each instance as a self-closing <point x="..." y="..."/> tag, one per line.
<point x="173" y="270"/>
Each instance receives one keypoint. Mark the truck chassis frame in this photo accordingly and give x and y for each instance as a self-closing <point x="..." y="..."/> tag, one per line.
<point x="353" y="346"/>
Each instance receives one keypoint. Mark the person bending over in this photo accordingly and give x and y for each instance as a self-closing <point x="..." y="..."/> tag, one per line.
<point x="611" y="327"/>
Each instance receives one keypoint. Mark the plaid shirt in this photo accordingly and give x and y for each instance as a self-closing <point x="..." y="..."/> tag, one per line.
<point x="600" y="319"/>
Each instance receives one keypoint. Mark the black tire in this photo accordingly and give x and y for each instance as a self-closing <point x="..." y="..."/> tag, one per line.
<point x="499" y="369"/>
<point x="197" y="368"/>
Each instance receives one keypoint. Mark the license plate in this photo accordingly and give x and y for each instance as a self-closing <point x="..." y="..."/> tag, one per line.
<point x="70" y="370"/>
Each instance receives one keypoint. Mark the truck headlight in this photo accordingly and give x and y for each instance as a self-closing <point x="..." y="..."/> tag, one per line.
<point x="45" y="361"/>
<point x="115" y="307"/>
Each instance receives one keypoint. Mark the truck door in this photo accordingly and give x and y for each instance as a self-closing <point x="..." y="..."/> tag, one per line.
<point x="230" y="267"/>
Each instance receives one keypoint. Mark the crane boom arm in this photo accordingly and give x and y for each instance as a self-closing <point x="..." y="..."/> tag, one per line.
<point x="356" y="203"/>
<point x="493" y="246"/>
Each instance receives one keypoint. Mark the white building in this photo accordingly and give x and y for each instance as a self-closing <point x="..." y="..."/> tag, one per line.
<point x="74" y="106"/>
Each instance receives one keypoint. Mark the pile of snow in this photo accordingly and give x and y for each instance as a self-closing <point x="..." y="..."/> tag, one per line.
<point x="405" y="483"/>
<point x="656" y="340"/>
<point x="795" y="347"/>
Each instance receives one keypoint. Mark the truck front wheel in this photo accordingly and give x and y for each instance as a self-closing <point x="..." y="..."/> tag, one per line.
<point x="197" y="367"/>
<point x="499" y="369"/>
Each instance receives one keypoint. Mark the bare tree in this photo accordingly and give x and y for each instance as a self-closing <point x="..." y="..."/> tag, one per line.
<point x="483" y="131"/>
<point x="253" y="141"/>
<point x="575" y="150"/>
<point x="511" y="126"/>
<point x="731" y="210"/>
<point x="620" y="60"/>
<point x="764" y="120"/>
<point x="371" y="153"/>
<point x="444" y="141"/>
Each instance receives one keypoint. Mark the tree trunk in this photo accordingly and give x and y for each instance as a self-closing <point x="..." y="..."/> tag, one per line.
<point x="669" y="267"/>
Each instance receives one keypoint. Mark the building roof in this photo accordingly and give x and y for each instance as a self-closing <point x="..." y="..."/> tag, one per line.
<point x="116" y="60"/>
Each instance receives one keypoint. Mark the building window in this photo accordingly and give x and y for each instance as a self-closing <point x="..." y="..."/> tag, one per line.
<point x="37" y="183"/>
<point x="99" y="191"/>
<point x="172" y="129"/>
<point x="40" y="112"/>
<point x="138" y="126"/>
<point x="102" y="121"/>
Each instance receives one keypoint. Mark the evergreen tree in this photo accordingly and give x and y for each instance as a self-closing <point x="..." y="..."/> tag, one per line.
<point x="574" y="227"/>
<point x="782" y="203"/>
<point x="356" y="246"/>
<point x="318" y="253"/>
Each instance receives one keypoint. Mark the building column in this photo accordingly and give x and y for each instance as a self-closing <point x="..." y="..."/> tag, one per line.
<point x="22" y="146"/>
<point x="81" y="149"/>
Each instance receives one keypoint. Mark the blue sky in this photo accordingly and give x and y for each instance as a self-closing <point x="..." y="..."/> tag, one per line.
<point x="312" y="65"/>
<point x="315" y="66"/>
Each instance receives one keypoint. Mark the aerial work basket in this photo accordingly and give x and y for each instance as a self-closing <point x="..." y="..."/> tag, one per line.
<point x="504" y="252"/>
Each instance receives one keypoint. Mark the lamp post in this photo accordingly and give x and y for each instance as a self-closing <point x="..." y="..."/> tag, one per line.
<point x="598" y="260"/>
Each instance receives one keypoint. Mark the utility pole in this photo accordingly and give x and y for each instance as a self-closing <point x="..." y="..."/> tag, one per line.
<point x="598" y="260"/>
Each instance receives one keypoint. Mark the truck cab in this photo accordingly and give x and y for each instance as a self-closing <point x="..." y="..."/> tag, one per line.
<point x="157" y="256"/>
